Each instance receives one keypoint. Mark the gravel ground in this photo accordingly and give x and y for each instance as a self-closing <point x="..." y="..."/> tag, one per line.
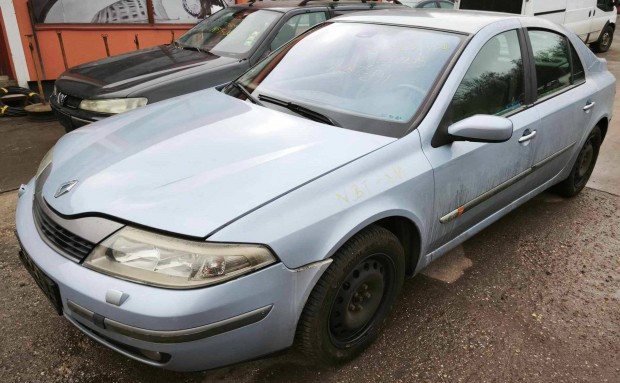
<point x="540" y="302"/>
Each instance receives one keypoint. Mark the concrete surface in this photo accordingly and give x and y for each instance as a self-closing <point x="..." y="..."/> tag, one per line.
<point x="534" y="298"/>
<point x="606" y="175"/>
<point x="23" y="144"/>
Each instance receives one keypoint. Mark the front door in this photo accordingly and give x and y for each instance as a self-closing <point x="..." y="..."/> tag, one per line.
<point x="604" y="10"/>
<point x="474" y="180"/>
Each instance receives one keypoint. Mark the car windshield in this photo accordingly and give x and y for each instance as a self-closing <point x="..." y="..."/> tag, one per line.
<point x="231" y="31"/>
<point x="366" y="77"/>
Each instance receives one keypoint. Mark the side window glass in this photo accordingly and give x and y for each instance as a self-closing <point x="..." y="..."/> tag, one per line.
<point x="605" y="5"/>
<point x="553" y="72"/>
<point x="430" y="5"/>
<point x="579" y="75"/>
<point x="445" y="4"/>
<point x="295" y="26"/>
<point x="494" y="83"/>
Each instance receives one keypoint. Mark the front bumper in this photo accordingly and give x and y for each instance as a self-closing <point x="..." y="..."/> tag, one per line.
<point x="162" y="317"/>
<point x="73" y="118"/>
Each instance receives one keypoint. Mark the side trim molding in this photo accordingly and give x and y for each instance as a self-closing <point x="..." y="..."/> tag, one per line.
<point x="454" y="214"/>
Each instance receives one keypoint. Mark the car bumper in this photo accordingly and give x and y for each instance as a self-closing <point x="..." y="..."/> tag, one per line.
<point x="71" y="118"/>
<point x="182" y="330"/>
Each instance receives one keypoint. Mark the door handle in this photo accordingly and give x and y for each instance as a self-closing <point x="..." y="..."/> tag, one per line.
<point x="527" y="137"/>
<point x="589" y="106"/>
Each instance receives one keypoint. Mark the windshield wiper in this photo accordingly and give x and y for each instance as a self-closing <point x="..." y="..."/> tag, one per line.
<point x="301" y="110"/>
<point x="247" y="93"/>
<point x="191" y="47"/>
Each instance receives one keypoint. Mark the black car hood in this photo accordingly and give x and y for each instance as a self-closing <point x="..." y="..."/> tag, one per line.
<point x="123" y="72"/>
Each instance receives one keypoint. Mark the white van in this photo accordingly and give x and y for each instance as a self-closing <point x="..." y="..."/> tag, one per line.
<point x="593" y="20"/>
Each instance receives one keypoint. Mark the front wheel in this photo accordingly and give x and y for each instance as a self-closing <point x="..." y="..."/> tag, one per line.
<point x="583" y="168"/>
<point x="604" y="41"/>
<point x="350" y="303"/>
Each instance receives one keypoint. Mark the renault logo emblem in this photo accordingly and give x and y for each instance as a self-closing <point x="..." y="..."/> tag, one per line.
<point x="65" y="188"/>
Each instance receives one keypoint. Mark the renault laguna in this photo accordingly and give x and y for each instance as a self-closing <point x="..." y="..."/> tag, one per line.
<point x="287" y="207"/>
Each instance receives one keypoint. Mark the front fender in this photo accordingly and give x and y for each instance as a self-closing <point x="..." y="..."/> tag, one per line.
<point x="311" y="223"/>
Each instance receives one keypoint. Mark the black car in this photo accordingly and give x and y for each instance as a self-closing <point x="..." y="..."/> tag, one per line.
<point x="212" y="53"/>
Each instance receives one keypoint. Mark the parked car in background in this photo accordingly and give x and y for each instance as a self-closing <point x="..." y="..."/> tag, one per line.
<point x="425" y="3"/>
<point x="289" y="205"/>
<point x="594" y="21"/>
<point x="212" y="53"/>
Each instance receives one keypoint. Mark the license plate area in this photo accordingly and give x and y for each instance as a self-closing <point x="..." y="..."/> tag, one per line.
<point x="48" y="286"/>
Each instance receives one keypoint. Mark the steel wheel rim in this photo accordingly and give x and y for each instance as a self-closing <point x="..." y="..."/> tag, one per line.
<point x="360" y="298"/>
<point x="606" y="40"/>
<point x="584" y="162"/>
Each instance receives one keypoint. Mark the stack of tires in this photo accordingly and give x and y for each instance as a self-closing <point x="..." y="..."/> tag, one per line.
<point x="11" y="111"/>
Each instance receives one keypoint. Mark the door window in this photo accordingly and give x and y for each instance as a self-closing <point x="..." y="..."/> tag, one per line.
<point x="295" y="26"/>
<point x="494" y="83"/>
<point x="429" y="5"/>
<point x="553" y="63"/>
<point x="445" y="4"/>
<point x="605" y="5"/>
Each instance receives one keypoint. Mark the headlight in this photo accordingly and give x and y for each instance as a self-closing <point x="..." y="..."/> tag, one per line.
<point x="45" y="162"/>
<point x="113" y="105"/>
<point x="163" y="261"/>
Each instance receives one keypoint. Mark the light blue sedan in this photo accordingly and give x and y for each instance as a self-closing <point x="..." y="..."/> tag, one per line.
<point x="287" y="207"/>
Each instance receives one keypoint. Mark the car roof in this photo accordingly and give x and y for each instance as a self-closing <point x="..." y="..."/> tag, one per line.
<point x="460" y="21"/>
<point x="287" y="5"/>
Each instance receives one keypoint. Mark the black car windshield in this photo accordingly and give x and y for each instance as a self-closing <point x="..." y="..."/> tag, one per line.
<point x="367" y="77"/>
<point x="230" y="32"/>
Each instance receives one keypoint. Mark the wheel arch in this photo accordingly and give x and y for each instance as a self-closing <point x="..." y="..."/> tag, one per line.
<point x="603" y="125"/>
<point x="408" y="235"/>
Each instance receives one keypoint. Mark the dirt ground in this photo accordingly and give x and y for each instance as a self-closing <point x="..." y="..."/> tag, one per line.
<point x="534" y="298"/>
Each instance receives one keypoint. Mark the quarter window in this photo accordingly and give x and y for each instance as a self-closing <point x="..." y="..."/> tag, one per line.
<point x="494" y="83"/>
<point x="553" y="62"/>
<point x="579" y="75"/>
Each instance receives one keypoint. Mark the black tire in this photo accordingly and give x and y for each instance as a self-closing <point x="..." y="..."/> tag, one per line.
<point x="582" y="170"/>
<point x="604" y="41"/>
<point x="368" y="270"/>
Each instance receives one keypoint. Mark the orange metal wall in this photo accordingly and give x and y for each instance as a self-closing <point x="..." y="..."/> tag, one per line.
<point x="83" y="42"/>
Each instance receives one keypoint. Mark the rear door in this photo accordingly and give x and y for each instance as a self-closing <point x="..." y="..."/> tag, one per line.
<point x="563" y="102"/>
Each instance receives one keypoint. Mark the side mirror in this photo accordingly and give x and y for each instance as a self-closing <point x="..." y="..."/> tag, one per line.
<point x="482" y="128"/>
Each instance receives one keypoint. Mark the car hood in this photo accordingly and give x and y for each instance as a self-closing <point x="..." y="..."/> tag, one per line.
<point x="123" y="72"/>
<point x="192" y="164"/>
